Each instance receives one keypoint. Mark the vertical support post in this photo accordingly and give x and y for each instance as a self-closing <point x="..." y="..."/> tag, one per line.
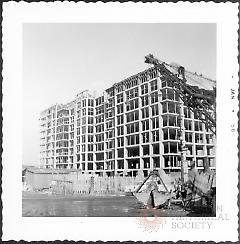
<point x="193" y="139"/>
<point x="150" y="129"/>
<point x="205" y="159"/>
<point x="75" y="137"/>
<point x="184" y="166"/>
<point x="115" y="131"/>
<point x="55" y="131"/>
<point x="141" y="163"/>
<point x="125" y="168"/>
<point x="161" y="146"/>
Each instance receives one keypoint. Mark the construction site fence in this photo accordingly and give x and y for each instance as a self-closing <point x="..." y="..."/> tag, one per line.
<point x="89" y="184"/>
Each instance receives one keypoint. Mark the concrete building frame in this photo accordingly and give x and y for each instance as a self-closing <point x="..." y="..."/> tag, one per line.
<point x="130" y="130"/>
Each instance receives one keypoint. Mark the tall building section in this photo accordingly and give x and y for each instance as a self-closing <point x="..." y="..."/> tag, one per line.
<point x="65" y="135"/>
<point x="131" y="129"/>
<point x="48" y="137"/>
<point x="84" y="133"/>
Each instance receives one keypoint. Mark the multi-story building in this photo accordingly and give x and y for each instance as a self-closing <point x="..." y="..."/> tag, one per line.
<point x="132" y="128"/>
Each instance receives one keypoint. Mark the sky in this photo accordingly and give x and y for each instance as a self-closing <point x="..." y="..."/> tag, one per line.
<point x="61" y="60"/>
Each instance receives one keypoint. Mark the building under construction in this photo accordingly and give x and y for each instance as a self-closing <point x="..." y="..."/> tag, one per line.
<point x="153" y="119"/>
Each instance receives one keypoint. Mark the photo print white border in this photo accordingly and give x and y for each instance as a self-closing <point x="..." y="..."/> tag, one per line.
<point x="224" y="226"/>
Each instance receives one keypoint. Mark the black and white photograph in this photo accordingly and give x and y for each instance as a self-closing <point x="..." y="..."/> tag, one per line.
<point x="137" y="133"/>
<point x="120" y="117"/>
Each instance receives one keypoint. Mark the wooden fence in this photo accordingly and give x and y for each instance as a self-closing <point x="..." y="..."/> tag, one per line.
<point x="75" y="183"/>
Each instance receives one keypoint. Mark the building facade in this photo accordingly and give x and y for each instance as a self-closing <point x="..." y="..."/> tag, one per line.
<point x="133" y="128"/>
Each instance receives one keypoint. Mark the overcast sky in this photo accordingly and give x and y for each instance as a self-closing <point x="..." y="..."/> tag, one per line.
<point x="61" y="60"/>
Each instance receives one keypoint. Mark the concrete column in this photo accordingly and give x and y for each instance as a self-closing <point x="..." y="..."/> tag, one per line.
<point x="125" y="132"/>
<point x="161" y="146"/>
<point x="69" y="132"/>
<point x="55" y="131"/>
<point x="150" y="128"/>
<point x="193" y="139"/>
<point x="184" y="166"/>
<point x="104" y="135"/>
<point x="115" y="131"/>
<point x="204" y="139"/>
<point x="140" y="132"/>
<point x="205" y="160"/>
<point x="94" y="161"/>
<point x="75" y="136"/>
<point x="45" y="147"/>
<point x="94" y="138"/>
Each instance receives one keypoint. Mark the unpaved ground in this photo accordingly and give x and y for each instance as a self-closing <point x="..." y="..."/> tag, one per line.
<point x="43" y="205"/>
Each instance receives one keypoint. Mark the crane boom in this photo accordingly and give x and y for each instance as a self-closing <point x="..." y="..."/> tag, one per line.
<point x="200" y="101"/>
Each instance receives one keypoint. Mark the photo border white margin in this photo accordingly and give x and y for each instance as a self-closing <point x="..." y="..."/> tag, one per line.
<point x="15" y="227"/>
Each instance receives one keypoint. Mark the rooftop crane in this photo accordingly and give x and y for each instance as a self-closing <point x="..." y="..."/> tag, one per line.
<point x="200" y="101"/>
